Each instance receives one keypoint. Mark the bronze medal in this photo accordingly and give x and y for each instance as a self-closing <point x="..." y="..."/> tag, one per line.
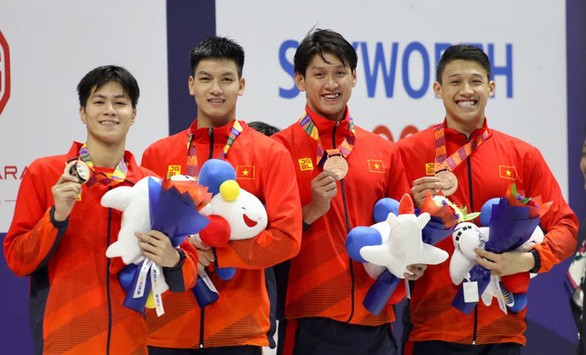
<point x="79" y="170"/>
<point x="336" y="166"/>
<point x="449" y="182"/>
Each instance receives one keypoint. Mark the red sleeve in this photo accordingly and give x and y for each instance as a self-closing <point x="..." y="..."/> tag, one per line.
<point x="398" y="184"/>
<point x="32" y="236"/>
<point x="560" y="223"/>
<point x="281" y="240"/>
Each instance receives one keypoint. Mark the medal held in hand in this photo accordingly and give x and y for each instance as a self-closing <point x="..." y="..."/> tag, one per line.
<point x="449" y="182"/>
<point x="336" y="166"/>
<point x="78" y="169"/>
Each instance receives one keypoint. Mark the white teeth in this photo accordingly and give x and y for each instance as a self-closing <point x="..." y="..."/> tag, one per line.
<point x="331" y="96"/>
<point x="466" y="103"/>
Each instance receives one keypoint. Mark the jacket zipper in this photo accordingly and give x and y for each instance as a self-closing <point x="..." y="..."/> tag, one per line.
<point x="109" y="339"/>
<point x="202" y="312"/>
<point x="347" y="220"/>
<point x="475" y="329"/>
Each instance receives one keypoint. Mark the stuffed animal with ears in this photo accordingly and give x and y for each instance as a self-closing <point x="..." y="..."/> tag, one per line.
<point x="168" y="206"/>
<point x="509" y="223"/>
<point x="234" y="214"/>
<point x="389" y="246"/>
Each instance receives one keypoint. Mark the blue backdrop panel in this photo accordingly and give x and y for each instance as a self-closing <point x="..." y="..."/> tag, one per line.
<point x="188" y="22"/>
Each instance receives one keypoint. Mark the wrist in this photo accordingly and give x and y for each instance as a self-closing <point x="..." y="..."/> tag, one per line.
<point x="309" y="215"/>
<point x="536" y="261"/>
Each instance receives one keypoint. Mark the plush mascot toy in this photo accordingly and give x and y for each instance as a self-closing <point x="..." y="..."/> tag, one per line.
<point x="168" y="206"/>
<point x="234" y="214"/>
<point x="508" y="223"/>
<point x="389" y="246"/>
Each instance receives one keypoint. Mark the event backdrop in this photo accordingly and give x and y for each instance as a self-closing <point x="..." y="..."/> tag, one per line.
<point x="537" y="53"/>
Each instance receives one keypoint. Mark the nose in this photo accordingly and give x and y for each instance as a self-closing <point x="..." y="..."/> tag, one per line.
<point x="110" y="108"/>
<point x="216" y="89"/>
<point x="331" y="82"/>
<point x="467" y="88"/>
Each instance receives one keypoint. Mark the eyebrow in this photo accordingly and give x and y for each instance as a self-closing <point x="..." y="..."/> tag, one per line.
<point x="101" y="96"/>
<point x="226" y="73"/>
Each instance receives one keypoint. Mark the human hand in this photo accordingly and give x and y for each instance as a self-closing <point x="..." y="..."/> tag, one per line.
<point x="204" y="252"/>
<point x="65" y="193"/>
<point x="157" y="247"/>
<point x="507" y="263"/>
<point x="415" y="271"/>
<point x="323" y="189"/>
<point x="423" y="186"/>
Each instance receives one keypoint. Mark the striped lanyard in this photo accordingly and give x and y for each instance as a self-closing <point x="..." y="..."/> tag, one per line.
<point x="442" y="161"/>
<point x="192" y="167"/>
<point x="343" y="149"/>
<point x="97" y="176"/>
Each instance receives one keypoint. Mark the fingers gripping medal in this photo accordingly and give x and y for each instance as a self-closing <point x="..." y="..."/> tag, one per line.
<point x="449" y="182"/>
<point x="78" y="169"/>
<point x="336" y="166"/>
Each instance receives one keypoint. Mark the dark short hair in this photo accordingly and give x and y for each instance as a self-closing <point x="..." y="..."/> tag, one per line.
<point x="464" y="52"/>
<point x="218" y="48"/>
<point x="263" y="128"/>
<point x="319" y="42"/>
<point x="99" y="76"/>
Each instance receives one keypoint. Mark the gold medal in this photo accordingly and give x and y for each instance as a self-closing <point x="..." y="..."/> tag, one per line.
<point x="336" y="166"/>
<point x="78" y="169"/>
<point x="448" y="181"/>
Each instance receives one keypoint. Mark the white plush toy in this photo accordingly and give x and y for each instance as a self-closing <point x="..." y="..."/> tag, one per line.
<point x="134" y="203"/>
<point x="466" y="237"/>
<point x="243" y="211"/>
<point x="402" y="244"/>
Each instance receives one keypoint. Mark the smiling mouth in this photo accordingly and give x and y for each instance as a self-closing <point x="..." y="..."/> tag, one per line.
<point x="467" y="103"/>
<point x="109" y="122"/>
<point x="331" y="96"/>
<point x="249" y="222"/>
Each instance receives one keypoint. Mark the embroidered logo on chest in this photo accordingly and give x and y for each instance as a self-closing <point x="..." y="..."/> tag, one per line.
<point x="245" y="172"/>
<point x="376" y="166"/>
<point x="507" y="172"/>
<point x="305" y="164"/>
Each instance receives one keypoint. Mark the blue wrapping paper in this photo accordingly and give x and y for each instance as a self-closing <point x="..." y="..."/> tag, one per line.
<point x="510" y="227"/>
<point x="172" y="213"/>
<point x="380" y="292"/>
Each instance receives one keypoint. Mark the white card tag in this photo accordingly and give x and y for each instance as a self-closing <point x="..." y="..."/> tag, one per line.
<point x="470" y="291"/>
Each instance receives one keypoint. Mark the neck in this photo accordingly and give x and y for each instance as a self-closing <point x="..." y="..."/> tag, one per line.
<point x="105" y="155"/>
<point x="465" y="128"/>
<point x="204" y="122"/>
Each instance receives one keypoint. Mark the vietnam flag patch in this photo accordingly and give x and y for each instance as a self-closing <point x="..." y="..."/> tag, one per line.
<point x="376" y="166"/>
<point x="246" y="172"/>
<point x="508" y="172"/>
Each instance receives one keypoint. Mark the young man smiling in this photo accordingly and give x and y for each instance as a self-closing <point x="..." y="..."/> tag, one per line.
<point x="342" y="171"/>
<point x="472" y="163"/>
<point x="238" y="322"/>
<point x="60" y="231"/>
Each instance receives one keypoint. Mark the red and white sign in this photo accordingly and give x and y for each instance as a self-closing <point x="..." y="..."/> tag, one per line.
<point x="4" y="72"/>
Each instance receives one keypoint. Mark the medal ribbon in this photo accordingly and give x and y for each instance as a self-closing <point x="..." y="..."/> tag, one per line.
<point x="442" y="161"/>
<point x="192" y="167"/>
<point x="117" y="177"/>
<point x="344" y="148"/>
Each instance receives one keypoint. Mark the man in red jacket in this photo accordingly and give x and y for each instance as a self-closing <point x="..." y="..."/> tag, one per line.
<point x="472" y="163"/>
<point x="238" y="322"/>
<point x="342" y="171"/>
<point x="60" y="231"/>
